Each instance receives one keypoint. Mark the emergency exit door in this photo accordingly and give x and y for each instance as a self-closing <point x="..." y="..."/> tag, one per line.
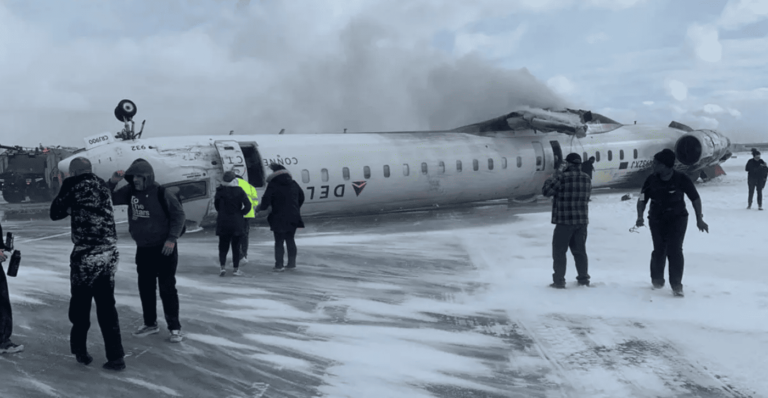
<point x="232" y="158"/>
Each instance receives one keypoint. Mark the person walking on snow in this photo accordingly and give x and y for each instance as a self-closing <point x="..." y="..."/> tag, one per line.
<point x="757" y="172"/>
<point x="285" y="196"/>
<point x="668" y="218"/>
<point x="6" y="316"/>
<point x="232" y="204"/>
<point x="93" y="262"/>
<point x="155" y="221"/>
<point x="253" y="196"/>
<point x="570" y="189"/>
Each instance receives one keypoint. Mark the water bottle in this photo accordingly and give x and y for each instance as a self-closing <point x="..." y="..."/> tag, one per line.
<point x="13" y="266"/>
<point x="8" y="241"/>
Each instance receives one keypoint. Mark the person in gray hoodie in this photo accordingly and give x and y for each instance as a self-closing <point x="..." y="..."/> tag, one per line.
<point x="155" y="231"/>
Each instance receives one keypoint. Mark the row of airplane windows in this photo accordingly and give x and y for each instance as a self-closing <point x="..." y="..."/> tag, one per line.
<point x="441" y="167"/>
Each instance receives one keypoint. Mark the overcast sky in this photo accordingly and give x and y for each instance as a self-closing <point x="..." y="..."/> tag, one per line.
<point x="208" y="67"/>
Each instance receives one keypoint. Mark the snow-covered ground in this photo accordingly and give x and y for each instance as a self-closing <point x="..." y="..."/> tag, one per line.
<point x="447" y="305"/>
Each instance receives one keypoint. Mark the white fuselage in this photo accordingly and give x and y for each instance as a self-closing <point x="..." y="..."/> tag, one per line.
<point x="378" y="172"/>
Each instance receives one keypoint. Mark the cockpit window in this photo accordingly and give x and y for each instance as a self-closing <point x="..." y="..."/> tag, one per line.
<point x="187" y="191"/>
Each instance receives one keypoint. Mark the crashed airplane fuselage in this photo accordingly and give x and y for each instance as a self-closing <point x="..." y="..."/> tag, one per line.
<point x="354" y="173"/>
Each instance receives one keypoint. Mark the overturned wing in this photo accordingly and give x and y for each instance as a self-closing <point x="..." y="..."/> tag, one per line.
<point x="546" y="121"/>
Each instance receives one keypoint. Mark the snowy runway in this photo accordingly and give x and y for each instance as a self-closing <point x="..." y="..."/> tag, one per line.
<point x="448" y="304"/>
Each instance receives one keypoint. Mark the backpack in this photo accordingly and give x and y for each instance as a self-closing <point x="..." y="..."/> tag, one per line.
<point x="164" y="205"/>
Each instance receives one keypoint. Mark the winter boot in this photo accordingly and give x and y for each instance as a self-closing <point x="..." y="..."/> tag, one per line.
<point x="115" y="364"/>
<point x="84" y="358"/>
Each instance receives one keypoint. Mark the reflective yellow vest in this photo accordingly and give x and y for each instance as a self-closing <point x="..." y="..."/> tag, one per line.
<point x="253" y="196"/>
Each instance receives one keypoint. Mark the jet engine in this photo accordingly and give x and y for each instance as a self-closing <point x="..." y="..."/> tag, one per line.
<point x="701" y="148"/>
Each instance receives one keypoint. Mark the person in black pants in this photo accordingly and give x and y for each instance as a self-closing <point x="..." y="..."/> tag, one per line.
<point x="232" y="204"/>
<point x="6" y="316"/>
<point x="285" y="197"/>
<point x="156" y="221"/>
<point x="668" y="218"/>
<point x="93" y="261"/>
<point x="757" y="171"/>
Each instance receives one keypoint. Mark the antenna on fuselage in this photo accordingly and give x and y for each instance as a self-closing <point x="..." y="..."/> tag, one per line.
<point x="231" y="132"/>
<point x="281" y="131"/>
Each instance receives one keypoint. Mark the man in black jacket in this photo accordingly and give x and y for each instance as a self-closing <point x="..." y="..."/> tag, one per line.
<point x="757" y="171"/>
<point x="668" y="218"/>
<point x="155" y="233"/>
<point x="6" y="317"/>
<point x="93" y="261"/>
<point x="589" y="166"/>
<point x="286" y="197"/>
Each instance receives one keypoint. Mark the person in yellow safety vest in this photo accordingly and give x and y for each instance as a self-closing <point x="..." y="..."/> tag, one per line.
<point x="250" y="191"/>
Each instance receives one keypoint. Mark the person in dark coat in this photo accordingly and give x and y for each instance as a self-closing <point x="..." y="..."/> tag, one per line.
<point x="757" y="172"/>
<point x="93" y="262"/>
<point x="668" y="218"/>
<point x="589" y="166"/>
<point x="6" y="317"/>
<point x="285" y="196"/>
<point x="232" y="204"/>
<point x="155" y="226"/>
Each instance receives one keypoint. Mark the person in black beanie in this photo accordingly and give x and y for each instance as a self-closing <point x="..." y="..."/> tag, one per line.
<point x="6" y="316"/>
<point x="668" y="218"/>
<point x="757" y="172"/>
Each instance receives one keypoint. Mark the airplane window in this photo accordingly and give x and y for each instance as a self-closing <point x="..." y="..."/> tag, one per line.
<point x="441" y="165"/>
<point x="475" y="164"/>
<point x="406" y="170"/>
<point x="386" y="171"/>
<point x="345" y="172"/>
<point x="423" y="168"/>
<point x="324" y="174"/>
<point x="305" y="176"/>
<point x="585" y="158"/>
<point x="367" y="172"/>
<point x="458" y="166"/>
<point x="597" y="156"/>
<point x="621" y="154"/>
<point x="635" y="150"/>
<point x="610" y="155"/>
<point x="490" y="164"/>
<point x="519" y="161"/>
<point x="539" y="160"/>
<point x="503" y="163"/>
<point x="187" y="191"/>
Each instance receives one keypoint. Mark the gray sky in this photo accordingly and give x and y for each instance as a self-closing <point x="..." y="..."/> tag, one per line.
<point x="208" y="67"/>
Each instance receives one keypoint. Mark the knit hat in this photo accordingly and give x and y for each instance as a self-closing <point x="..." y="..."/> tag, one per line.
<point x="574" y="158"/>
<point x="666" y="157"/>
<point x="229" y="176"/>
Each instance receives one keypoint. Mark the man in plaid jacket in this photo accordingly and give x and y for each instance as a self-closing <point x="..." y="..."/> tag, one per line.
<point x="570" y="189"/>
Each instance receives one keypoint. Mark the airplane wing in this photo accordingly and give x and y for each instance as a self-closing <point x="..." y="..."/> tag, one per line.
<point x="569" y="121"/>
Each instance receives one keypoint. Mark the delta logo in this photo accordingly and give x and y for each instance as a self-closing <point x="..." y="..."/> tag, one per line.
<point x="358" y="186"/>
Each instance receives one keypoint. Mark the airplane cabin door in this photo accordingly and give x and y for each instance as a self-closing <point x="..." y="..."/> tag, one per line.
<point x="539" y="150"/>
<point x="232" y="158"/>
<point x="557" y="152"/>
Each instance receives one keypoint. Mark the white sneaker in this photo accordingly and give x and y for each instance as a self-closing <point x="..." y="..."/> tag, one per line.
<point x="222" y="272"/>
<point x="238" y="273"/>
<point x="146" y="331"/>
<point x="244" y="260"/>
<point x="176" y="336"/>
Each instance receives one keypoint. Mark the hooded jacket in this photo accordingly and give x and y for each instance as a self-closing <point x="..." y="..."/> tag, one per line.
<point x="86" y="199"/>
<point x="286" y="197"/>
<point x="147" y="222"/>
<point x="232" y="204"/>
